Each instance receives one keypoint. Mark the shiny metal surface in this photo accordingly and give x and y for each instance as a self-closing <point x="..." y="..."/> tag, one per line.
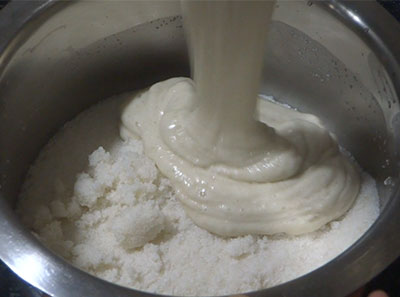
<point x="337" y="59"/>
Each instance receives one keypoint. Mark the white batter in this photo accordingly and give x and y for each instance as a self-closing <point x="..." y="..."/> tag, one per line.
<point x="102" y="204"/>
<point x="236" y="174"/>
<point x="235" y="169"/>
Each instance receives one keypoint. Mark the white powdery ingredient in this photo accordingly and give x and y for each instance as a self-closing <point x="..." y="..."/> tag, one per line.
<point x="114" y="215"/>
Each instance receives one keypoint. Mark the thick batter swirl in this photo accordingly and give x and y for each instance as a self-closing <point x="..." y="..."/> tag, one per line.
<point x="236" y="168"/>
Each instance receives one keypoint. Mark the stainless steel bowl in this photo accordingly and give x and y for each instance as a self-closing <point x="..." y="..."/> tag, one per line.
<point x="337" y="59"/>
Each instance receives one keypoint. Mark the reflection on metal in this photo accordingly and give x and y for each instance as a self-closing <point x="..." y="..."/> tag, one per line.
<point x="31" y="266"/>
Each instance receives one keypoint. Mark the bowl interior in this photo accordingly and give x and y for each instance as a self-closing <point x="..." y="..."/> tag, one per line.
<point x="75" y="54"/>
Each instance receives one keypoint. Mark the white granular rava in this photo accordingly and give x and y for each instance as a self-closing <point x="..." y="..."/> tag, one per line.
<point x="117" y="217"/>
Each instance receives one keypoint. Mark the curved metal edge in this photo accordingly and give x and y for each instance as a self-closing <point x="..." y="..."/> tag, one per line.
<point x="14" y="17"/>
<point x="366" y="258"/>
<point x="29" y="259"/>
<point x="33" y="262"/>
<point x="376" y="27"/>
<point x="369" y="255"/>
<point x="72" y="281"/>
